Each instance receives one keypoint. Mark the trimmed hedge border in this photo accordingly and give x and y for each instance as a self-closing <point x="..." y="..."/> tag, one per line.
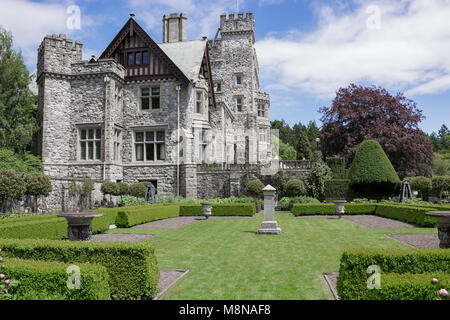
<point x="407" y="286"/>
<point x="352" y="281"/>
<point x="49" y="278"/>
<point x="300" y="209"/>
<point x="415" y="215"/>
<point x="132" y="267"/>
<point x="129" y="218"/>
<point x="220" y="209"/>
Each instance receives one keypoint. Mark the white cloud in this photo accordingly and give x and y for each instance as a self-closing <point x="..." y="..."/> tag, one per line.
<point x="269" y="2"/>
<point x="203" y="15"/>
<point x="411" y="49"/>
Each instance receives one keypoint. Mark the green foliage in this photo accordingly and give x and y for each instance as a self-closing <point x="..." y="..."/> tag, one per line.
<point x="352" y="281"/>
<point x="337" y="166"/>
<point x="255" y="188"/>
<point x="337" y="189"/>
<point x="108" y="187"/>
<point x="37" y="184"/>
<point x="371" y="173"/>
<point x="129" y="218"/>
<point x="17" y="103"/>
<point x="121" y="189"/>
<point x="408" y="286"/>
<point x="12" y="185"/>
<point x="440" y="185"/>
<point x="295" y="187"/>
<point x="138" y="189"/>
<point x="87" y="186"/>
<point x="128" y="201"/>
<point x="132" y="267"/>
<point x="20" y="162"/>
<point x="287" y="152"/>
<point x="50" y="279"/>
<point x="278" y="181"/>
<point x="441" y="165"/>
<point x="421" y="185"/>
<point x="220" y="209"/>
<point x="329" y="209"/>
<point x="410" y="214"/>
<point x="317" y="179"/>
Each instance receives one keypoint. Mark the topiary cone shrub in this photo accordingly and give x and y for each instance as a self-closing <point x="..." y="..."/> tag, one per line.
<point x="371" y="174"/>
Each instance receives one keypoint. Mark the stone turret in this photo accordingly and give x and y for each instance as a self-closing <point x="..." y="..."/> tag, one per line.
<point x="57" y="53"/>
<point x="237" y="24"/>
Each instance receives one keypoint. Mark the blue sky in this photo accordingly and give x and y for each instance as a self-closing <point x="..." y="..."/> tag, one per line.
<point x="306" y="49"/>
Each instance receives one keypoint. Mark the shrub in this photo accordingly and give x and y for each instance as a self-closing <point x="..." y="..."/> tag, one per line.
<point x="284" y="203"/>
<point x="278" y="181"/>
<point x="50" y="278"/>
<point x="132" y="267"/>
<point x="12" y="185"/>
<point x="337" y="166"/>
<point x="37" y="184"/>
<point x="336" y="189"/>
<point x="110" y="188"/>
<point x="129" y="218"/>
<point x="407" y="286"/>
<point x="26" y="162"/>
<point x="410" y="214"/>
<point x="121" y="189"/>
<point x="295" y="187"/>
<point x="329" y="209"/>
<point x="303" y="199"/>
<point x="128" y="201"/>
<point x="371" y="173"/>
<point x="352" y="281"/>
<point x="139" y="189"/>
<point x="421" y="185"/>
<point x="255" y="188"/>
<point x="316" y="180"/>
<point x="439" y="185"/>
<point x="225" y="209"/>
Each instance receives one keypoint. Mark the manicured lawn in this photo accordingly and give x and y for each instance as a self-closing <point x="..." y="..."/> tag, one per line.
<point x="227" y="260"/>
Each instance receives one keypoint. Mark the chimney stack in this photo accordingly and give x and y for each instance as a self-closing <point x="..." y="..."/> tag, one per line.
<point x="174" y="27"/>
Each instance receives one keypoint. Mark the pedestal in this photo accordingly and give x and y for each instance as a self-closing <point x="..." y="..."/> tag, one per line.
<point x="79" y="225"/>
<point x="443" y="219"/>
<point x="269" y="225"/>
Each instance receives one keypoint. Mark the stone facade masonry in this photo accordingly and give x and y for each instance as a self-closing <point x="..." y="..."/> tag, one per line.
<point x="76" y="95"/>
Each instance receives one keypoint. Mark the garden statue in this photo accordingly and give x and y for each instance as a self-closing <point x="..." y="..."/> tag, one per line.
<point x="79" y="225"/>
<point x="150" y="193"/>
<point x="406" y="192"/>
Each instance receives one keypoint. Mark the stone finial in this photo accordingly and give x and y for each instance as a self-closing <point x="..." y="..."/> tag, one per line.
<point x="269" y="188"/>
<point x="132" y="15"/>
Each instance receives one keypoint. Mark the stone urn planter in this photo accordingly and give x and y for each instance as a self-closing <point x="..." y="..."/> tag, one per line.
<point x="79" y="225"/>
<point x="339" y="207"/>
<point x="258" y="207"/>
<point x="207" y="209"/>
<point x="443" y="220"/>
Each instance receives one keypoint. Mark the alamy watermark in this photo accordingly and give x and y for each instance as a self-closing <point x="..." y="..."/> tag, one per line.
<point x="73" y="21"/>
<point x="374" y="280"/>
<point x="74" y="279"/>
<point x="373" y="22"/>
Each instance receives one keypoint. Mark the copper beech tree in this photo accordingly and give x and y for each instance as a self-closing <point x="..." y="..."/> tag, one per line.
<point x="361" y="113"/>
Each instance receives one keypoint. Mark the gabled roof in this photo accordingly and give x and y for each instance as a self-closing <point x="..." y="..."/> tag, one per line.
<point x="187" y="55"/>
<point x="131" y="28"/>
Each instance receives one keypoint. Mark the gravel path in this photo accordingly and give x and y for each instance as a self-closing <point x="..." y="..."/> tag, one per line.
<point x="417" y="240"/>
<point x="167" y="278"/>
<point x="376" y="222"/>
<point x="120" y="237"/>
<point x="178" y="222"/>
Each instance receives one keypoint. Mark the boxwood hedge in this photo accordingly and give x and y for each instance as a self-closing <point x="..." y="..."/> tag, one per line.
<point x="300" y="209"/>
<point x="128" y="218"/>
<point x="352" y="281"/>
<point x="415" y="215"/>
<point x="49" y="278"/>
<point x="407" y="286"/>
<point x="132" y="267"/>
<point x="220" y="209"/>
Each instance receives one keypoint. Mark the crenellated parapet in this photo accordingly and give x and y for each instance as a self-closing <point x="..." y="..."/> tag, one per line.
<point x="239" y="23"/>
<point x="56" y="54"/>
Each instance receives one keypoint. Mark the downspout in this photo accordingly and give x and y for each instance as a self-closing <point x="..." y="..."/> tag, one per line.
<point x="178" y="139"/>
<point x="106" y="80"/>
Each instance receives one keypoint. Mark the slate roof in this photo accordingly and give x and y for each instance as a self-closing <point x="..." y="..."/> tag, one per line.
<point x="187" y="55"/>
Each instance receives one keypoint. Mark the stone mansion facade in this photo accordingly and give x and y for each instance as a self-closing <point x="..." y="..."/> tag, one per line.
<point x="144" y="111"/>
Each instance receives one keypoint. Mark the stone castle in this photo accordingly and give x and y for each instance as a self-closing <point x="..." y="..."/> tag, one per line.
<point x="144" y="111"/>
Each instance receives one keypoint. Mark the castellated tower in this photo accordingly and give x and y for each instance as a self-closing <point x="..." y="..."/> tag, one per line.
<point x="235" y="73"/>
<point x="56" y="55"/>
